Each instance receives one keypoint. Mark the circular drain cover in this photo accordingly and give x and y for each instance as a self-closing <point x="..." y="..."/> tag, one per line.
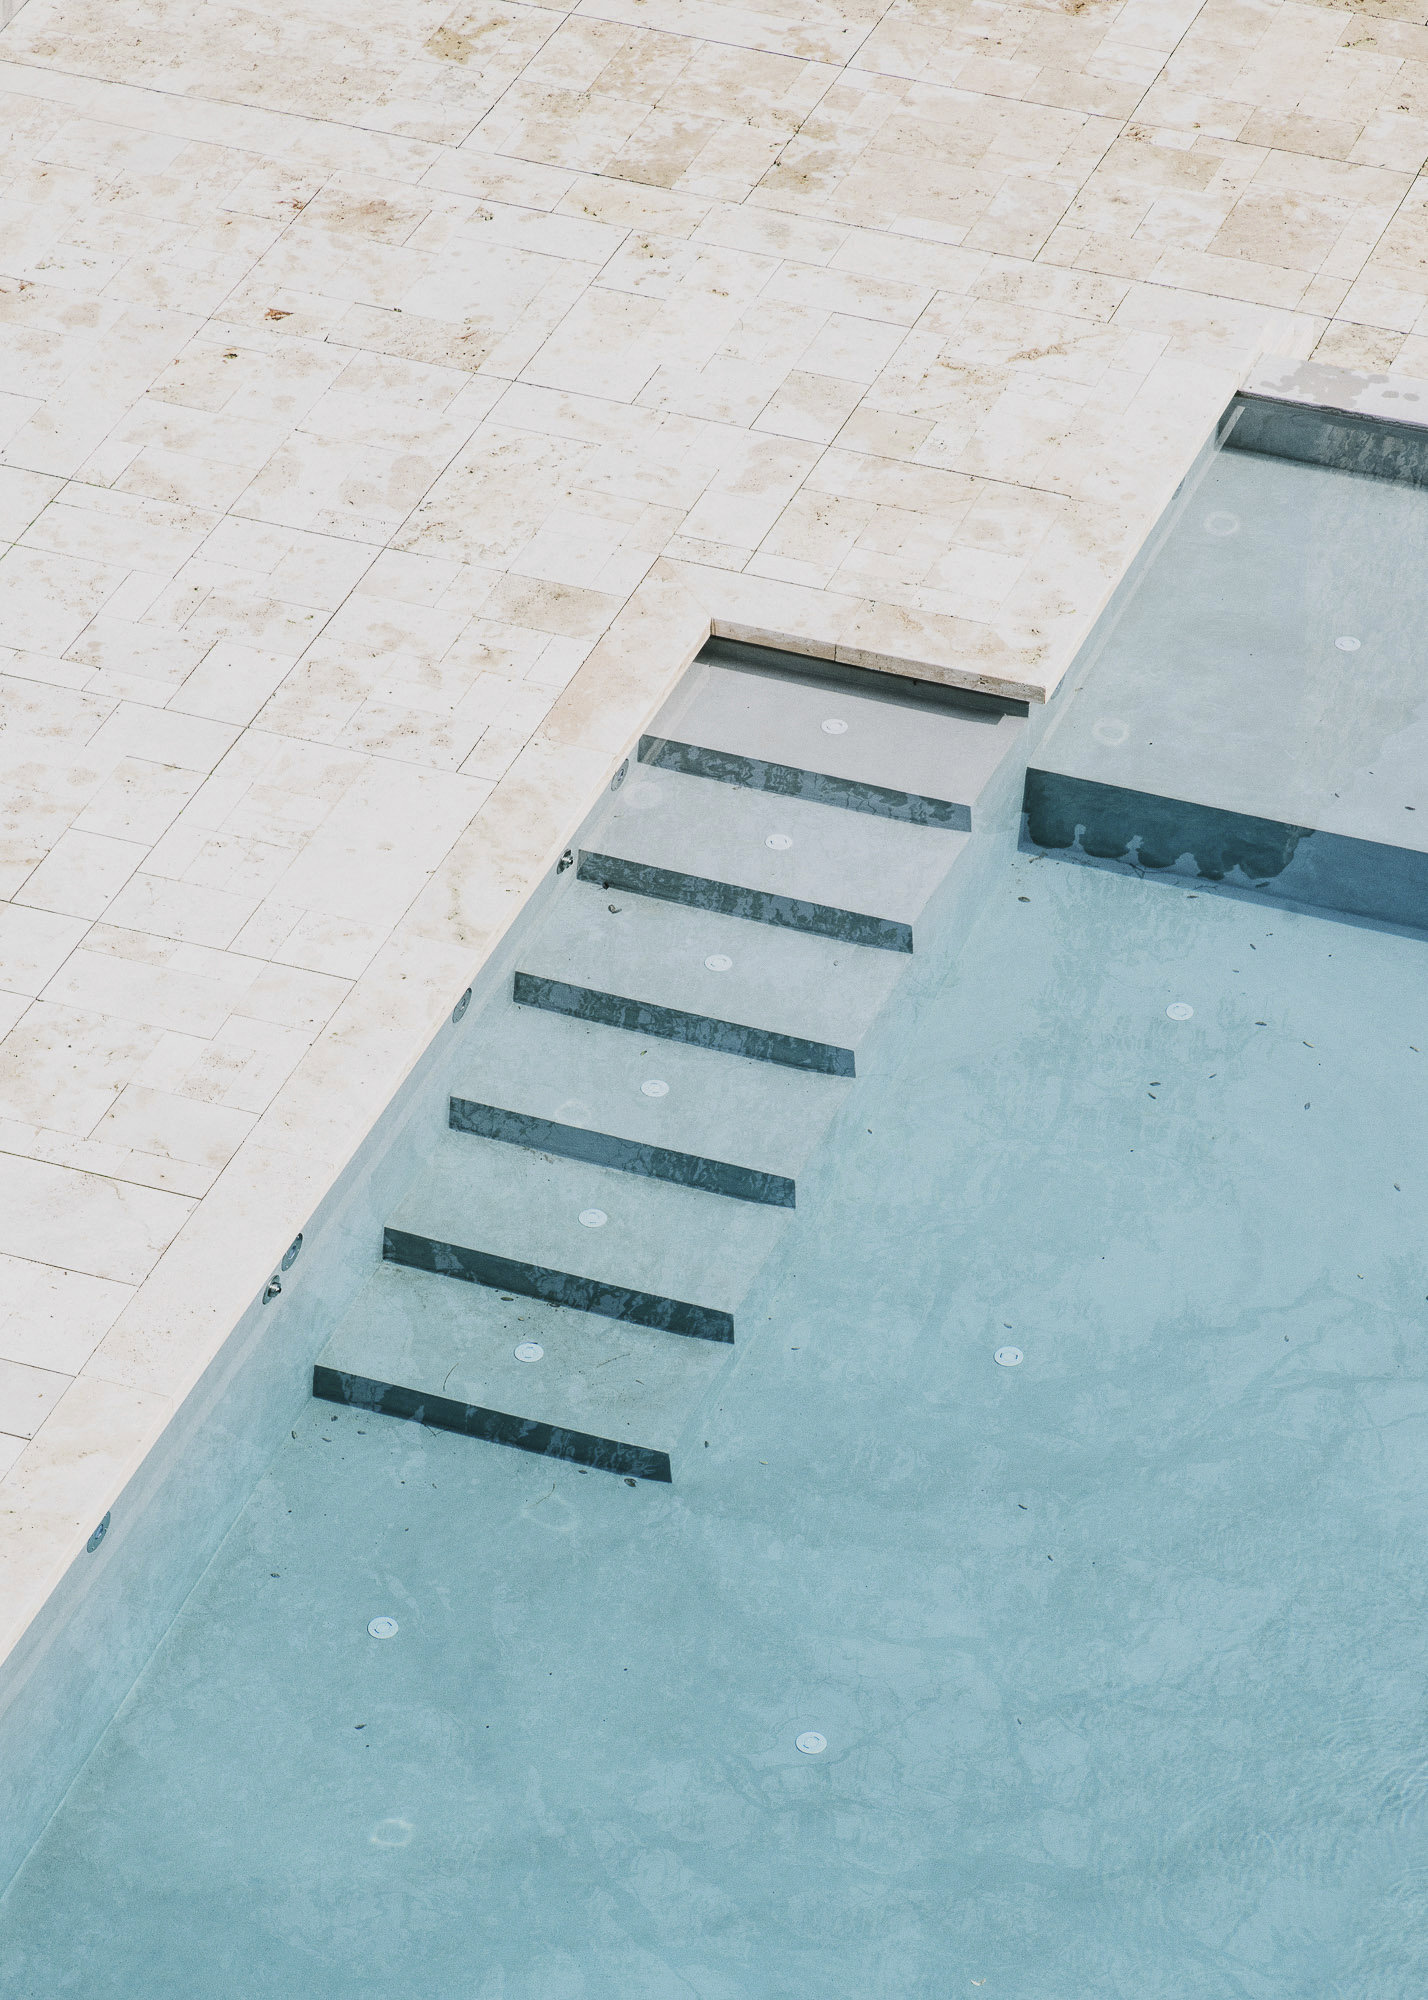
<point x="384" y="1628"/>
<point x="718" y="962"/>
<point x="594" y="1218"/>
<point x="835" y="726"/>
<point x="810" y="1743"/>
<point x="530" y="1350"/>
<point x="1347" y="644"/>
<point x="1008" y="1357"/>
<point x="655" y="1088"/>
<point x="779" y="842"/>
<point x="1222" y="524"/>
<point x="1180" y="1010"/>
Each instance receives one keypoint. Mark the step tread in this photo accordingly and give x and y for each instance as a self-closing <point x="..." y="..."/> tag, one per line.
<point x="670" y="1242"/>
<point x="760" y="1116"/>
<point x="904" y="749"/>
<point x="599" y="1377"/>
<point x="838" y="861"/>
<point x="815" y="989"/>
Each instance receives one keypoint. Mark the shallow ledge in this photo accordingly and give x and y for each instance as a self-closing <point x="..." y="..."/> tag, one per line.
<point x="1316" y="385"/>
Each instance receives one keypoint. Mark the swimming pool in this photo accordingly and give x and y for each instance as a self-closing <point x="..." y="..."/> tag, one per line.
<point x="1113" y="1644"/>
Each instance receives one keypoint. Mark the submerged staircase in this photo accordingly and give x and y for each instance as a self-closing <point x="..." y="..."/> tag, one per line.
<point x="624" y="1144"/>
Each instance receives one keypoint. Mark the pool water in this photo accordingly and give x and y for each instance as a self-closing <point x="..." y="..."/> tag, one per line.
<point x="1117" y="1652"/>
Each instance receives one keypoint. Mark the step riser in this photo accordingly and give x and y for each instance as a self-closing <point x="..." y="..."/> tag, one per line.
<point x="557" y="1288"/>
<point x="757" y="906"/>
<point x="672" y="1024"/>
<point x="628" y="1156"/>
<point x="389" y="1399"/>
<point x="786" y="781"/>
<point x="1330" y="871"/>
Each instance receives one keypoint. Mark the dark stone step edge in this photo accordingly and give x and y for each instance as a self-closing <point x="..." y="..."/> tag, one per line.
<point x="732" y="899"/>
<point x="473" y="1420"/>
<point x="626" y="1156"/>
<point x="788" y="781"/>
<point x="556" y="1288"/>
<point x="674" y="1024"/>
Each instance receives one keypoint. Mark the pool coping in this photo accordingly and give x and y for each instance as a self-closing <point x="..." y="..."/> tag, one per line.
<point x="1343" y="391"/>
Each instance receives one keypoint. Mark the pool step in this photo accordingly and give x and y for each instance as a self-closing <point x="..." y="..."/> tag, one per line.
<point x="679" y="1032"/>
<point x="603" y="1393"/>
<point x="508" y="1218"/>
<point x="725" y="1125"/>
<point x="923" y="765"/>
<point x="803" y="867"/>
<point x="643" y="966"/>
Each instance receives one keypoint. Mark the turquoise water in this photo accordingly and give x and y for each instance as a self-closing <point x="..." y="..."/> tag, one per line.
<point x="1118" y="1653"/>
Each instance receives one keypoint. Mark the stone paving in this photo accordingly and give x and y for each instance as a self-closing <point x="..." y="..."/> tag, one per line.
<point x="391" y="403"/>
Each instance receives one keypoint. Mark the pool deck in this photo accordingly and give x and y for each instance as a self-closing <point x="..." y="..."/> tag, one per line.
<point x="389" y="408"/>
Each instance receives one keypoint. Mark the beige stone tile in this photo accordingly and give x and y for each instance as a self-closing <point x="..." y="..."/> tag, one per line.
<point x="189" y="743"/>
<point x="46" y="600"/>
<point x="54" y="1319"/>
<point x="23" y="496"/>
<point x="81" y="874"/>
<point x="599" y="349"/>
<point x="193" y="912"/>
<point x="356" y="867"/>
<point x="84" y="1222"/>
<point x="211" y="1275"/>
<point x="61" y="1069"/>
<point x="1369" y="349"/>
<point x="138" y="800"/>
<point x="33" y="946"/>
<point x="181" y="1128"/>
<point x="231" y="682"/>
<point x="316" y="942"/>
<point x="809" y="407"/>
<point x="143" y="662"/>
<point x="153" y="993"/>
<point x="27" y="1396"/>
<point x="96" y="524"/>
<point x="293" y="997"/>
<point x="95" y="1157"/>
<point x="99" y="391"/>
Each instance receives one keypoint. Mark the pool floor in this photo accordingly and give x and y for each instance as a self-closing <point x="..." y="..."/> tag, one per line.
<point x="1118" y="1653"/>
